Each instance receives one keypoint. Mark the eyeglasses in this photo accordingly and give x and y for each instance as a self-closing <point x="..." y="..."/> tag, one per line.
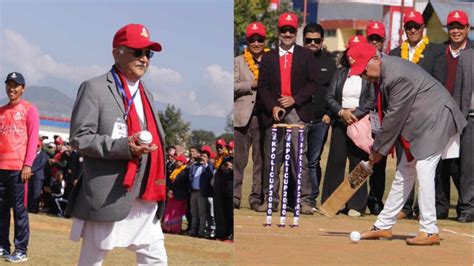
<point x="219" y="147"/>
<point x="286" y="29"/>
<point x="140" y="52"/>
<point x="375" y="38"/>
<point x="253" y="39"/>
<point x="409" y="26"/>
<point x="311" y="40"/>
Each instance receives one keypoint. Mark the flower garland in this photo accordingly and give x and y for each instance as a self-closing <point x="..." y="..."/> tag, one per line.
<point x="418" y="51"/>
<point x="219" y="159"/>
<point x="176" y="172"/>
<point x="251" y="63"/>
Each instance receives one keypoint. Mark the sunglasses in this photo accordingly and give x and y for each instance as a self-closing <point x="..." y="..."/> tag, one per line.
<point x="456" y="26"/>
<point x="311" y="40"/>
<point x="286" y="29"/>
<point x="253" y="39"/>
<point x="409" y="26"/>
<point x="140" y="52"/>
<point x="375" y="38"/>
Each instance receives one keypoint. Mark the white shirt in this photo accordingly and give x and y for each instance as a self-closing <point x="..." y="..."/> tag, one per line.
<point x="137" y="101"/>
<point x="411" y="50"/>
<point x="351" y="92"/>
<point x="458" y="52"/>
<point x="285" y="53"/>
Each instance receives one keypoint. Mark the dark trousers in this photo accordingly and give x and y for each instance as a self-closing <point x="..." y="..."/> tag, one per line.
<point x="446" y="168"/>
<point x="340" y="149"/>
<point x="223" y="209"/>
<point x="377" y="187"/>
<point x="199" y="208"/>
<point x="292" y="117"/>
<point x="317" y="135"/>
<point x="12" y="196"/>
<point x="35" y="187"/>
<point x="466" y="179"/>
<point x="244" y="138"/>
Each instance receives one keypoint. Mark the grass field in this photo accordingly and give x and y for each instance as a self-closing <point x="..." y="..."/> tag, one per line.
<point x="50" y="245"/>
<point x="323" y="241"/>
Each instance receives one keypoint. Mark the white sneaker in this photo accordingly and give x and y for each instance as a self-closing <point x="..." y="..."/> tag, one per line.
<point x="354" y="213"/>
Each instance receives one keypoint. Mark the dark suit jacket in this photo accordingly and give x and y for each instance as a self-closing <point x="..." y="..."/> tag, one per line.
<point x="433" y="61"/>
<point x="334" y="96"/>
<point x="464" y="85"/>
<point x="180" y="186"/>
<point x="325" y="67"/>
<point x="39" y="163"/>
<point x="303" y="83"/>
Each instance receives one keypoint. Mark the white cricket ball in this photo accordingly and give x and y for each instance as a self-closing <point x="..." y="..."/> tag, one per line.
<point x="145" y="137"/>
<point x="355" y="236"/>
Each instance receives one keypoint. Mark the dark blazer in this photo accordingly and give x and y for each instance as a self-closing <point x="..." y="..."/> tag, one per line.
<point x="433" y="60"/>
<point x="464" y="85"/>
<point x="205" y="186"/>
<point x="303" y="83"/>
<point x="334" y="95"/>
<point x="180" y="186"/>
<point x="39" y="163"/>
<point x="325" y="67"/>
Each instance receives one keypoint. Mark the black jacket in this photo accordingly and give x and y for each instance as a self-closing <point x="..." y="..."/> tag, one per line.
<point x="325" y="68"/>
<point x="180" y="186"/>
<point x="433" y="60"/>
<point x="334" y="96"/>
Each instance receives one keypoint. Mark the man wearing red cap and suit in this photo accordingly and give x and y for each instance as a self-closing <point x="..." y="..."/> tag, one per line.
<point x="458" y="29"/>
<point x="247" y="131"/>
<point x="118" y="202"/>
<point x="418" y="109"/>
<point x="419" y="50"/>
<point x="286" y="82"/>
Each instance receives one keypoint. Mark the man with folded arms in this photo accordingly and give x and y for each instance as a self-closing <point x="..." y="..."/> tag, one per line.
<point x="420" y="112"/>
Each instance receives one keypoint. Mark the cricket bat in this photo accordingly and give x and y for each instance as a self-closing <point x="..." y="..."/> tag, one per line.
<point x="352" y="182"/>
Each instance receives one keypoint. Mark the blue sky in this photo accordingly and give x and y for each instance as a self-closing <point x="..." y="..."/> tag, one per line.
<point x="60" y="43"/>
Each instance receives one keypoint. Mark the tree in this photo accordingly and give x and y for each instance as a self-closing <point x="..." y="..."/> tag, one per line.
<point x="229" y="127"/>
<point x="247" y="11"/>
<point x="202" y="137"/>
<point x="176" y="129"/>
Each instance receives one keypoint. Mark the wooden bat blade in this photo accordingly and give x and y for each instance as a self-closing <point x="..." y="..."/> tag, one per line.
<point x="344" y="192"/>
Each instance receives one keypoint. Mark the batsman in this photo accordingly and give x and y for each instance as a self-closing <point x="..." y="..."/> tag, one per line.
<point x="420" y="113"/>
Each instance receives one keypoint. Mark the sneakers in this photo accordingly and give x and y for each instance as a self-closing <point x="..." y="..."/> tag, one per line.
<point x="354" y="213"/>
<point x="4" y="253"/>
<point x="17" y="256"/>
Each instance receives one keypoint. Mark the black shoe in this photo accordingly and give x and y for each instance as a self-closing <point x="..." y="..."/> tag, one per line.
<point x="465" y="218"/>
<point x="441" y="215"/>
<point x="236" y="205"/>
<point x="375" y="208"/>
<point x="264" y="206"/>
<point x="254" y="206"/>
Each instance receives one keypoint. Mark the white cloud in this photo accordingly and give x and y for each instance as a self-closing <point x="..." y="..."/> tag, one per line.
<point x="36" y="65"/>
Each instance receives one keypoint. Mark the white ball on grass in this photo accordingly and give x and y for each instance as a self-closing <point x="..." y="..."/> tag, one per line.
<point x="354" y="236"/>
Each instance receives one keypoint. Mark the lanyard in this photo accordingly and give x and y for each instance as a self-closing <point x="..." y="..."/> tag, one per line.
<point x="124" y="95"/>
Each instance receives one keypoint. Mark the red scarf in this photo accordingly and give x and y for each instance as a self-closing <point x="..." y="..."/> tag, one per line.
<point x="156" y="183"/>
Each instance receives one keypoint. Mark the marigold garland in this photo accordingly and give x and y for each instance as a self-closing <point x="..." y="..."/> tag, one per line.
<point x="251" y="63"/>
<point x="418" y="51"/>
<point x="176" y="172"/>
<point x="219" y="159"/>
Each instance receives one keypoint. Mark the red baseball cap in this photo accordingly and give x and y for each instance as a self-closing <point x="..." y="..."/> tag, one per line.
<point x="256" y="28"/>
<point x="134" y="36"/>
<point x="458" y="16"/>
<point x="288" y="19"/>
<point x="181" y="158"/>
<point x="413" y="16"/>
<point x="221" y="142"/>
<point x="231" y="144"/>
<point x="356" y="39"/>
<point x="358" y="56"/>
<point x="376" y="28"/>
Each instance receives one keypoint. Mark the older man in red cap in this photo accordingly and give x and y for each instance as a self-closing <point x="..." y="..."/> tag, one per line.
<point x="419" y="112"/>
<point x="458" y="29"/>
<point x="118" y="202"/>
<point x="286" y="82"/>
<point x="419" y="50"/>
<point x="247" y="131"/>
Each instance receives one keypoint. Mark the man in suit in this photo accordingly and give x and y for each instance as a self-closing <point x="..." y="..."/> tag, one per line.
<point x="419" y="50"/>
<point x="35" y="186"/>
<point x="420" y="113"/>
<point x="286" y="82"/>
<point x="247" y="131"/>
<point x="458" y="29"/>
<point x="313" y="37"/>
<point x="463" y="95"/>
<point x="120" y="198"/>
